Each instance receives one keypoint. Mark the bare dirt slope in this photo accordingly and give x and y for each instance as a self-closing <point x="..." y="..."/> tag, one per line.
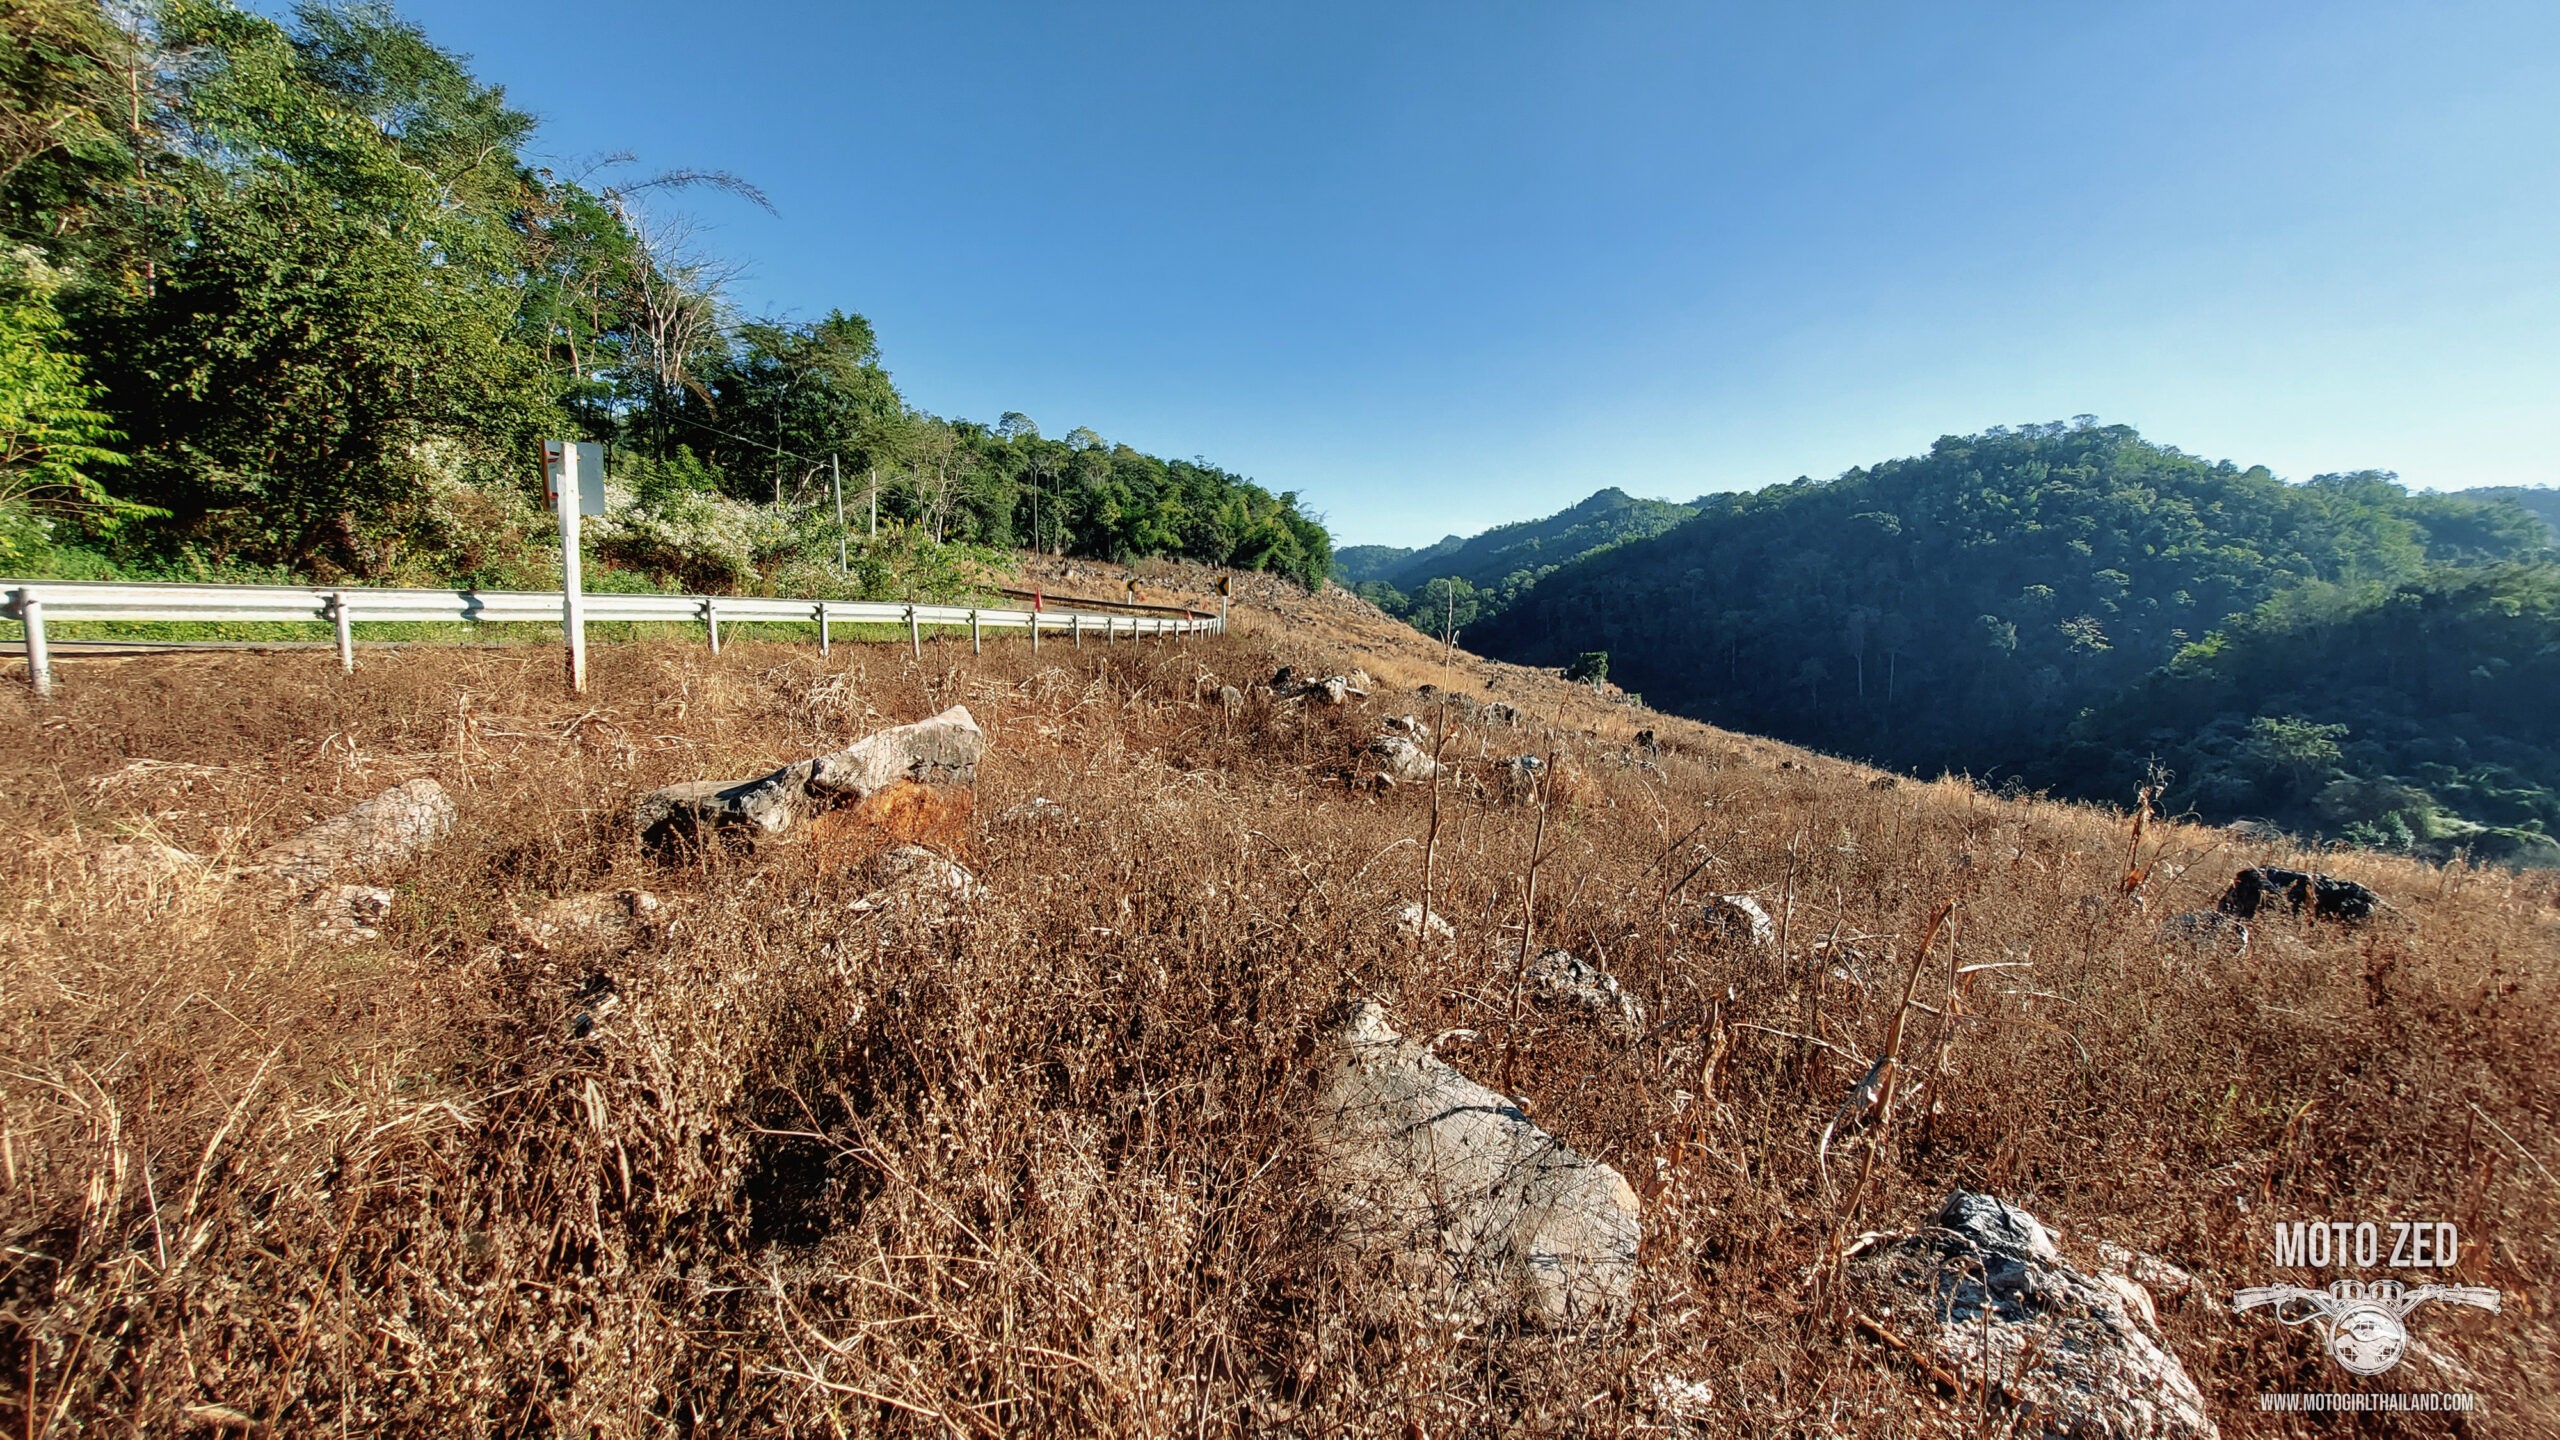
<point x="751" y="1156"/>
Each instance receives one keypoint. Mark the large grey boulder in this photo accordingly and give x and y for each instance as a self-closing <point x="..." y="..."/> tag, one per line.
<point x="941" y="751"/>
<point x="383" y="832"/>
<point x="1985" y="1292"/>
<point x="1445" y="1190"/>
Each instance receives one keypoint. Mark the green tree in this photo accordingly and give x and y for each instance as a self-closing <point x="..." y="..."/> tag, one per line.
<point x="341" y="256"/>
<point x="54" y="441"/>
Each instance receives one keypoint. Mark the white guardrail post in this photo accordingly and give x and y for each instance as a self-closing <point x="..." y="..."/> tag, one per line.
<point x="30" y="612"/>
<point x="346" y="627"/>
<point x="915" y="633"/>
<point x="822" y="629"/>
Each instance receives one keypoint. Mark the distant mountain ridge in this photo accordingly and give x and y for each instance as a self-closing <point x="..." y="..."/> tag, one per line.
<point x="1964" y="609"/>
<point x="1491" y="571"/>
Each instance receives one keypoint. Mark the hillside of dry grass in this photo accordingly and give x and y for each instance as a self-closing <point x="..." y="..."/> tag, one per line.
<point x="776" y="1162"/>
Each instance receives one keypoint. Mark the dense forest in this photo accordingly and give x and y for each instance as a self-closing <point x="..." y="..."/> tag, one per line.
<point x="2410" y="716"/>
<point x="296" y="299"/>
<point x="1462" y="580"/>
<point x="2542" y="500"/>
<point x="2069" y="603"/>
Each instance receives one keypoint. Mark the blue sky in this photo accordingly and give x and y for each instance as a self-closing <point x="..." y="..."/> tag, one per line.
<point x="1440" y="266"/>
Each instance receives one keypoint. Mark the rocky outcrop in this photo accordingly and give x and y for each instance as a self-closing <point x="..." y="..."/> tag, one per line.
<point x="1984" y="1293"/>
<point x="1446" y="1195"/>
<point x="934" y="755"/>
<point x="386" y="831"/>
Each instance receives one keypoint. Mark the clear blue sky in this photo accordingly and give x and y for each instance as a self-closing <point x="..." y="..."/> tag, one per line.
<point x="1442" y="265"/>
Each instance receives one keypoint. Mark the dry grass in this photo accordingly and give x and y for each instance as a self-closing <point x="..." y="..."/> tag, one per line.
<point x="1034" y="1168"/>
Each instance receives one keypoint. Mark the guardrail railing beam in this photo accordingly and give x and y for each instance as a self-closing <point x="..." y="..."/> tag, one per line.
<point x="37" y="605"/>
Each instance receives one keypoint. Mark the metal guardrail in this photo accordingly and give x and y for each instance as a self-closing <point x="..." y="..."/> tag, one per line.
<point x="38" y="603"/>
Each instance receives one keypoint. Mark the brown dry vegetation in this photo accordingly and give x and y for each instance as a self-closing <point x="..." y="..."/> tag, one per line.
<point x="1036" y="1168"/>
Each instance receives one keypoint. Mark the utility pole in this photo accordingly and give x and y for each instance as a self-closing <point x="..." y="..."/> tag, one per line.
<point x="835" y="482"/>
<point x="1450" y="630"/>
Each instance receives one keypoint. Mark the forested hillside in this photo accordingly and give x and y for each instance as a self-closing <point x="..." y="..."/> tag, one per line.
<point x="2415" y="716"/>
<point x="294" y="299"/>
<point x="1478" y="576"/>
<point x="1964" y="608"/>
<point x="2542" y="500"/>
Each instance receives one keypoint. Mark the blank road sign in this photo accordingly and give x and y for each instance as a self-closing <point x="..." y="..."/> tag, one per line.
<point x="589" y="458"/>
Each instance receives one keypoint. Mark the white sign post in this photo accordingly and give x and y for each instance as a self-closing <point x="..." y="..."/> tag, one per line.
<point x="573" y="473"/>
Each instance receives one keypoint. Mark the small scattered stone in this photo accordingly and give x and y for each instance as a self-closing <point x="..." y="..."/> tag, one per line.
<point x="2207" y="932"/>
<point x="608" y="918"/>
<point x="348" y="914"/>
<point x="1566" y="980"/>
<point x="1740" y="919"/>
<point x="1409" y="923"/>
<point x="383" y="832"/>
<point x="1401" y="762"/>
<point x="144" y="863"/>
